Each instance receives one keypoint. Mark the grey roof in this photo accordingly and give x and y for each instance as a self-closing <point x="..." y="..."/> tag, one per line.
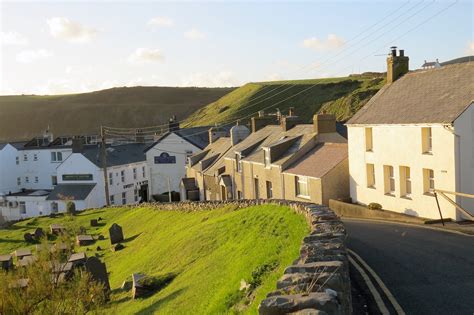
<point x="116" y="154"/>
<point x="458" y="60"/>
<point x="17" y="145"/>
<point x="425" y="96"/>
<point x="214" y="152"/>
<point x="74" y="191"/>
<point x="198" y="136"/>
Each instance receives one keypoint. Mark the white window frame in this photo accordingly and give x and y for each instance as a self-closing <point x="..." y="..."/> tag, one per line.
<point x="122" y="176"/>
<point x="56" y="156"/>
<point x="269" y="188"/>
<point x="427" y="140"/>
<point x="124" y="198"/>
<point x="369" y="139"/>
<point x="428" y="181"/>
<point x="134" y="173"/>
<point x="112" y="199"/>
<point x="389" y="174"/>
<point x="54" y="180"/>
<point x="22" y="206"/>
<point x="111" y="178"/>
<point x="370" y="175"/>
<point x="300" y="182"/>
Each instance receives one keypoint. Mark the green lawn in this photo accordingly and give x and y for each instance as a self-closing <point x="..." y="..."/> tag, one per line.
<point x="209" y="251"/>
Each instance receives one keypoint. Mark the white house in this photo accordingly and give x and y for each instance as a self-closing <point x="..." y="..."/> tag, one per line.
<point x="414" y="136"/>
<point x="166" y="157"/>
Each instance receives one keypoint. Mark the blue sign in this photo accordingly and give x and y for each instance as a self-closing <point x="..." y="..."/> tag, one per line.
<point x="165" y="158"/>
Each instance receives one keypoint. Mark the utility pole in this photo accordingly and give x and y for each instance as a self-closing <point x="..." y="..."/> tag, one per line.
<point x="104" y="165"/>
<point x="169" y="189"/>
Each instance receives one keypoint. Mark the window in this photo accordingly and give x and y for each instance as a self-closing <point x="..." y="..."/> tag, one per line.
<point x="239" y="195"/>
<point x="17" y="160"/>
<point x="25" y="157"/>
<point x="405" y="181"/>
<point x="56" y="156"/>
<point x="269" y="190"/>
<point x="112" y="200"/>
<point x="428" y="181"/>
<point x="18" y="181"/>
<point x="27" y="179"/>
<point x="36" y="179"/>
<point x="54" y="207"/>
<point x="238" y="163"/>
<point x="111" y="179"/>
<point x="189" y="153"/>
<point x="35" y="157"/>
<point x="301" y="184"/>
<point x="122" y="175"/>
<point x="135" y="195"/>
<point x="255" y="185"/>
<point x="266" y="155"/>
<point x="370" y="175"/>
<point x="427" y="140"/>
<point x="143" y="172"/>
<point x="134" y="173"/>
<point x="22" y="207"/>
<point x="368" y="139"/>
<point x="124" y="198"/>
<point x="54" y="180"/>
<point x="389" y="180"/>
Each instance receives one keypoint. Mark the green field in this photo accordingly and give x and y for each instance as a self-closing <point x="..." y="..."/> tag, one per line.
<point x="210" y="252"/>
<point x="339" y="96"/>
<point x="84" y="113"/>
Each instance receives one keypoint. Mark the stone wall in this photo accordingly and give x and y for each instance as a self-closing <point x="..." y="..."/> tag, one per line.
<point x="318" y="280"/>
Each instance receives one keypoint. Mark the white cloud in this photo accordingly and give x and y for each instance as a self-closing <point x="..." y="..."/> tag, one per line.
<point x="194" y="34"/>
<point x="220" y="79"/>
<point x="331" y="43"/>
<point x="470" y="48"/>
<point x="63" y="28"/>
<point x="28" y="56"/>
<point x="143" y="55"/>
<point x="12" y="38"/>
<point x="161" y="21"/>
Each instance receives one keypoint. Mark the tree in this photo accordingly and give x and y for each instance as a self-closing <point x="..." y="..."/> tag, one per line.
<point x="71" y="207"/>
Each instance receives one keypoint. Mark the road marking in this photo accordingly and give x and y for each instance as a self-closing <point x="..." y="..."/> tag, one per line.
<point x="382" y="285"/>
<point x="378" y="299"/>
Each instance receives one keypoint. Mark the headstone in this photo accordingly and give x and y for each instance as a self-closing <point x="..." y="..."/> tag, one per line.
<point x="26" y="261"/>
<point x="98" y="271"/>
<point x="39" y="234"/>
<point x="6" y="262"/>
<point x="28" y="237"/>
<point x="84" y="240"/>
<point x="138" y="290"/>
<point x="77" y="259"/>
<point x="116" y="234"/>
<point x="94" y="222"/>
<point x="56" y="229"/>
<point x="20" y="253"/>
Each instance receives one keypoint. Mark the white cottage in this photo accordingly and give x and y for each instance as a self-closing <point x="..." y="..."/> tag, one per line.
<point x="414" y="136"/>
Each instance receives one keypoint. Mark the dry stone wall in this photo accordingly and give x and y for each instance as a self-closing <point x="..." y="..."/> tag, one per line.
<point x="318" y="281"/>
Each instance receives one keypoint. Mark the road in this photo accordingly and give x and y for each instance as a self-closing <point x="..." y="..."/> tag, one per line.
<point x="427" y="271"/>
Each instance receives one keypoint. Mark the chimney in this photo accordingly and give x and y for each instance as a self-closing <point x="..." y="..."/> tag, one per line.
<point x="291" y="112"/>
<point x="324" y="123"/>
<point x="173" y="124"/>
<point x="139" y="137"/>
<point x="77" y="145"/>
<point x="216" y="133"/>
<point x="261" y="121"/>
<point x="397" y="66"/>
<point x="288" y="122"/>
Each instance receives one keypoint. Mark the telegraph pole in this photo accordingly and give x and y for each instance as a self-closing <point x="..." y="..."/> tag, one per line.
<point x="104" y="165"/>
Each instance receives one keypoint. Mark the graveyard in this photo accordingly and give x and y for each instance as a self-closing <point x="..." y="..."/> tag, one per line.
<point x="196" y="261"/>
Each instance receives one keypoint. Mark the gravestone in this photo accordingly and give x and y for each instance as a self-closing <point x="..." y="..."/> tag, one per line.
<point x="56" y="229"/>
<point x="115" y="234"/>
<point x="84" y="240"/>
<point x="98" y="271"/>
<point x="39" y="234"/>
<point x="77" y="259"/>
<point x="6" y="262"/>
<point x="28" y="237"/>
<point x="94" y="222"/>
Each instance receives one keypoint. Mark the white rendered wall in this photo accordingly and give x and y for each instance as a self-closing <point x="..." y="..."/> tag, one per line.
<point x="176" y="146"/>
<point x="9" y="171"/>
<point x="401" y="145"/>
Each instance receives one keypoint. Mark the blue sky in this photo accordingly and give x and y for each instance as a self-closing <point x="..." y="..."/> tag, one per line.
<point x="64" y="47"/>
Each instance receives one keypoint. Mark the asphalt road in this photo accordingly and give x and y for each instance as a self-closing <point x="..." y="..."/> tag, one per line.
<point x="427" y="271"/>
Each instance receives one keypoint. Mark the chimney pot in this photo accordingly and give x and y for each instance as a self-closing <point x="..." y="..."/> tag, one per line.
<point x="291" y="111"/>
<point x="402" y="52"/>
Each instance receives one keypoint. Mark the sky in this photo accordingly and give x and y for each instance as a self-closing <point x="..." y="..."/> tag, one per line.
<point x="59" y="47"/>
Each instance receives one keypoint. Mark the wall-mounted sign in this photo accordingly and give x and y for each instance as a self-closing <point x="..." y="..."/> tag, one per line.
<point x="77" y="177"/>
<point x="165" y="158"/>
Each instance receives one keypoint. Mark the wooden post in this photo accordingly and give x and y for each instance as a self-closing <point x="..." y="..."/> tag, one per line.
<point x="104" y="165"/>
<point x="169" y="190"/>
<point x="439" y="208"/>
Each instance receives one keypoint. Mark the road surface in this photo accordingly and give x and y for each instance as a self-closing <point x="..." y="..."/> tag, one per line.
<point x="427" y="271"/>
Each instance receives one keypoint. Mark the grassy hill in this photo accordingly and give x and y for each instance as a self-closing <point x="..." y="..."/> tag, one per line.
<point x="210" y="252"/>
<point x="26" y="116"/>
<point x="340" y="96"/>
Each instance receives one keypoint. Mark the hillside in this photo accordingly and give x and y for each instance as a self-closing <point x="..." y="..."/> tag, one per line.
<point x="26" y="116"/>
<point x="209" y="252"/>
<point x="340" y="96"/>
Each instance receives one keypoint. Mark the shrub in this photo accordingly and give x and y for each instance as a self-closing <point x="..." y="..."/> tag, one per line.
<point x="374" y="206"/>
<point x="71" y="208"/>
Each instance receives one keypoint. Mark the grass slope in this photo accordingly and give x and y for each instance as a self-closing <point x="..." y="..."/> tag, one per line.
<point x="210" y="251"/>
<point x="30" y="115"/>
<point x="340" y="96"/>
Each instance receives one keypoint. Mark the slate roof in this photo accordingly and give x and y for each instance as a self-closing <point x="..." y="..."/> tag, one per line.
<point x="74" y="191"/>
<point x="198" y="136"/>
<point x="217" y="149"/>
<point x="189" y="184"/>
<point x="116" y="154"/>
<point x="423" y="96"/>
<point x="320" y="160"/>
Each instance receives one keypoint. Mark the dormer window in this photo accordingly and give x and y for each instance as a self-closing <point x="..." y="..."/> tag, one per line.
<point x="266" y="157"/>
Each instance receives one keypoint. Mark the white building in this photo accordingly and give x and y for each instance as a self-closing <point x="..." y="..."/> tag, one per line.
<point x="166" y="157"/>
<point x="414" y="136"/>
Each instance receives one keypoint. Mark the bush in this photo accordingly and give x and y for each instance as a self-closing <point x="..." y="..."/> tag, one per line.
<point x="374" y="206"/>
<point x="71" y="208"/>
